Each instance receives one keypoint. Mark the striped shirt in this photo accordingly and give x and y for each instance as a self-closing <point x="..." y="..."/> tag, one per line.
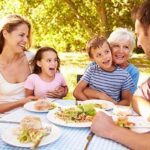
<point x="112" y="83"/>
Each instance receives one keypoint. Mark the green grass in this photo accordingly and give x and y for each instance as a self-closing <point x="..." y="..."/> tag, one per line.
<point x="141" y="62"/>
<point x="73" y="63"/>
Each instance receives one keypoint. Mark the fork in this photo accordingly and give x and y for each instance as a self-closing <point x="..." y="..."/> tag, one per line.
<point x="76" y="102"/>
<point x="35" y="146"/>
<point x="10" y="122"/>
<point x="89" y="139"/>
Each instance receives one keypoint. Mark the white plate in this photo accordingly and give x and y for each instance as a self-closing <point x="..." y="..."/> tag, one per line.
<point x="30" y="107"/>
<point x="108" y="105"/>
<point x="122" y="110"/>
<point x="54" y="119"/>
<point x="10" y="138"/>
<point x="141" y="125"/>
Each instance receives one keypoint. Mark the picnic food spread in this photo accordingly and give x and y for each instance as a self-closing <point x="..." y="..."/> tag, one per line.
<point x="123" y="122"/>
<point x="31" y="130"/>
<point x="43" y="104"/>
<point x="79" y="113"/>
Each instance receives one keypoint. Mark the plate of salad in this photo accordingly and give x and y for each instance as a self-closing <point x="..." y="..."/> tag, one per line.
<point x="134" y="123"/>
<point x="99" y="104"/>
<point x="73" y="116"/>
<point x="28" y="134"/>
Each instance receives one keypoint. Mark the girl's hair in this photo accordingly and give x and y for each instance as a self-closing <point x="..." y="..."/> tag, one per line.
<point x="122" y="35"/>
<point x="9" y="24"/>
<point x="94" y="43"/>
<point x="39" y="56"/>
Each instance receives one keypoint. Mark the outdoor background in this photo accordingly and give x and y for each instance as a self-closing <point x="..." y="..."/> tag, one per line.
<point x="67" y="25"/>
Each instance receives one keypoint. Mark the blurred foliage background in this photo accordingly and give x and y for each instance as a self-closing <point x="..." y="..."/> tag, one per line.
<point x="66" y="25"/>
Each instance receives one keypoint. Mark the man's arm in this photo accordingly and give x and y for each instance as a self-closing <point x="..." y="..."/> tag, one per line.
<point x="108" y="129"/>
<point x="140" y="101"/>
<point x="141" y="106"/>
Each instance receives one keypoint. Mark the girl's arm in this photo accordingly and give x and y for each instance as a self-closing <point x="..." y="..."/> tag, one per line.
<point x="29" y="92"/>
<point x="79" y="90"/>
<point x="30" y="84"/>
<point x="65" y="91"/>
<point x="58" y="93"/>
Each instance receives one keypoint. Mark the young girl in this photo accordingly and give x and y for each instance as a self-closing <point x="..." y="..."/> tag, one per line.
<point x="46" y="80"/>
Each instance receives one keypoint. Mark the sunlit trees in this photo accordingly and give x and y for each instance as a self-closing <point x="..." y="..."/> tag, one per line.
<point x="68" y="24"/>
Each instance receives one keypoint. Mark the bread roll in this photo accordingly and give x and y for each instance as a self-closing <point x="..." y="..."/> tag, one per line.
<point x="41" y="104"/>
<point x="31" y="122"/>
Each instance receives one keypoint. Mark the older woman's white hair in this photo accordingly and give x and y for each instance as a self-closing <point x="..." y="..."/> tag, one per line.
<point x="120" y="35"/>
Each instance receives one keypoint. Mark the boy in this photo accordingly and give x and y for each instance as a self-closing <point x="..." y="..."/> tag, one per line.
<point x="113" y="82"/>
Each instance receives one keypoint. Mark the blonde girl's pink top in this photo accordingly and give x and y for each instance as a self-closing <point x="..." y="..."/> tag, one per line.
<point x="41" y="87"/>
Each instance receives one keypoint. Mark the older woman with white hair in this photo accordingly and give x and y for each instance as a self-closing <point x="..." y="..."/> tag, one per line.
<point x="122" y="42"/>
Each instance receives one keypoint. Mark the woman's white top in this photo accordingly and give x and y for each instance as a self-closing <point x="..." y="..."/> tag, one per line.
<point x="13" y="91"/>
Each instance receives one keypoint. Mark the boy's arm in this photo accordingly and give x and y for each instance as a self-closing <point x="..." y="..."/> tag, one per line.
<point x="126" y="97"/>
<point x="94" y="94"/>
<point x="78" y="91"/>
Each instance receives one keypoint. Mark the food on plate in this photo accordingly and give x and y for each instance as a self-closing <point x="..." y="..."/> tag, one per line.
<point x="31" y="130"/>
<point x="123" y="122"/>
<point x="30" y="122"/>
<point x="122" y="110"/>
<point x="43" y="104"/>
<point x="79" y="113"/>
<point x="100" y="106"/>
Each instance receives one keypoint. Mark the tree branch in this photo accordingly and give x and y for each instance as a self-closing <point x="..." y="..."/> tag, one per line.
<point x="102" y="14"/>
<point x="79" y="17"/>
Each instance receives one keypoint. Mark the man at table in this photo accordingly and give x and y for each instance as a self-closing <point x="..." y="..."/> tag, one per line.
<point x="107" y="128"/>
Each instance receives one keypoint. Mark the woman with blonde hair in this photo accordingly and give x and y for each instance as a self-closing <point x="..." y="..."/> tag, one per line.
<point x="15" y="33"/>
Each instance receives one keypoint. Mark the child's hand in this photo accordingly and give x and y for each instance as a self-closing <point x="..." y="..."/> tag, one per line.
<point x="54" y="94"/>
<point x="60" y="92"/>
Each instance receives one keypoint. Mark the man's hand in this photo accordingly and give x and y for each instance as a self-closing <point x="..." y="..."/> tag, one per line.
<point x="103" y="125"/>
